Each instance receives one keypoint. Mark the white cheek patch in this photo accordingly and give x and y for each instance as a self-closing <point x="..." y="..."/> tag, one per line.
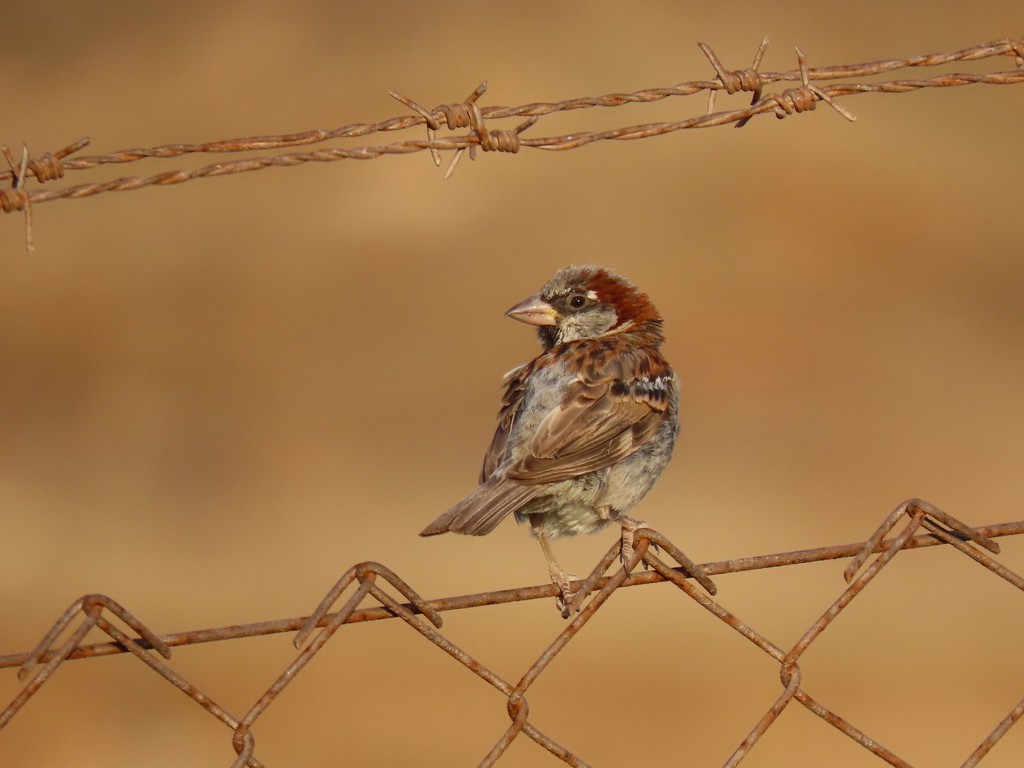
<point x="592" y="295"/>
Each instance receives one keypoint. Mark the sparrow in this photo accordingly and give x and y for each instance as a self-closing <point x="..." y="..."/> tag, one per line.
<point x="586" y="427"/>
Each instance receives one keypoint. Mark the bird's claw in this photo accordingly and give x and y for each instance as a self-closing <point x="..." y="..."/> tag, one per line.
<point x="562" y="604"/>
<point x="563" y="600"/>
<point x="627" y="550"/>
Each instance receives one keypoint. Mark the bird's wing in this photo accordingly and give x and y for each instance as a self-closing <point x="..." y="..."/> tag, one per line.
<point x="511" y="401"/>
<point x="605" y="416"/>
<point x="607" y="413"/>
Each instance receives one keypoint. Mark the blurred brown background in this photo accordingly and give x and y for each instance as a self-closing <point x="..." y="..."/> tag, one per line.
<point x="216" y="397"/>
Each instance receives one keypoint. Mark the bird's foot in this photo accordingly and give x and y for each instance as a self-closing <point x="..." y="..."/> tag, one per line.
<point x="563" y="581"/>
<point x="629" y="529"/>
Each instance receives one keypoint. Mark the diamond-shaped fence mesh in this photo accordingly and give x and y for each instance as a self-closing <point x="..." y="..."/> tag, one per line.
<point x="371" y="591"/>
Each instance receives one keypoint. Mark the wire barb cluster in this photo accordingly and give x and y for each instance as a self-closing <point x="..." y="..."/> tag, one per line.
<point x="748" y="79"/>
<point x="395" y="598"/>
<point x="462" y="115"/>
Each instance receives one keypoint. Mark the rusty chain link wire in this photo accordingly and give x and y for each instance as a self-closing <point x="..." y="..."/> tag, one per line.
<point x="372" y="580"/>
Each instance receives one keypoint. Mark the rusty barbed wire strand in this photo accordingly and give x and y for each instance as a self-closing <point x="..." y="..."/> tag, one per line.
<point x="243" y="144"/>
<point x="468" y="114"/>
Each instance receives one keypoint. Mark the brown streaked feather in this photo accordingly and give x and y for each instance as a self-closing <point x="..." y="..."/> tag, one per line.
<point x="600" y="421"/>
<point x="481" y="511"/>
<point x="511" y="401"/>
<point x="605" y="450"/>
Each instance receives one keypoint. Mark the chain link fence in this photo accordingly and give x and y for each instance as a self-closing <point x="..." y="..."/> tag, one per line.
<point x="911" y="525"/>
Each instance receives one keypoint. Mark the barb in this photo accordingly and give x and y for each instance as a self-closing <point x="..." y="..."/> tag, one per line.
<point x="740" y="80"/>
<point x="16" y="198"/>
<point x="468" y="114"/>
<point x="794" y="100"/>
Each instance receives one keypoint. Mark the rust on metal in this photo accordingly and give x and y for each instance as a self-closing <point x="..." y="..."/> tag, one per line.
<point x="469" y="114"/>
<point x="395" y="598"/>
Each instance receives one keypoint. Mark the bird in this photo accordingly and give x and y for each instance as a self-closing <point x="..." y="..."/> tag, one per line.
<point x="586" y="427"/>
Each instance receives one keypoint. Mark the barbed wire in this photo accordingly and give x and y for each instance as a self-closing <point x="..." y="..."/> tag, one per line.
<point x="424" y="616"/>
<point x="468" y="114"/>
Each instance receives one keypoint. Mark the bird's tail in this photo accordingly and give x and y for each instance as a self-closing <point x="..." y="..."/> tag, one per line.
<point x="482" y="510"/>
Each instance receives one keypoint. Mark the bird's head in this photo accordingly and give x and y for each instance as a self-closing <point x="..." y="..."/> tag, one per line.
<point x="585" y="302"/>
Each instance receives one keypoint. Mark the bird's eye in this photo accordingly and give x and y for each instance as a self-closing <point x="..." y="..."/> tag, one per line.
<point x="577" y="300"/>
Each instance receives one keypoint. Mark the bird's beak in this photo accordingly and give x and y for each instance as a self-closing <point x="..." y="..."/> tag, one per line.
<point x="533" y="311"/>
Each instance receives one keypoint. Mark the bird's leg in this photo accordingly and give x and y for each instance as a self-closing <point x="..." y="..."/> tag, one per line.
<point x="559" y="578"/>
